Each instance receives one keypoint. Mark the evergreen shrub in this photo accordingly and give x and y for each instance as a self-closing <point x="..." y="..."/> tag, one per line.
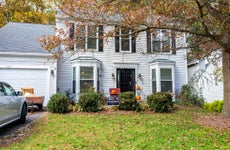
<point x="127" y="101"/>
<point x="58" y="103"/>
<point x="160" y="102"/>
<point x="89" y="101"/>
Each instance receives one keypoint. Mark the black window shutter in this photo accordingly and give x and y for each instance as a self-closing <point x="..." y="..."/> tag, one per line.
<point x="117" y="46"/>
<point x="100" y="38"/>
<point x="173" y="42"/>
<point x="133" y="43"/>
<point x="148" y="33"/>
<point x="71" y="30"/>
<point x="71" y="35"/>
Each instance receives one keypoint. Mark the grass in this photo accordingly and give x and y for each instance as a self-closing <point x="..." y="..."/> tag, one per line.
<point x="130" y="131"/>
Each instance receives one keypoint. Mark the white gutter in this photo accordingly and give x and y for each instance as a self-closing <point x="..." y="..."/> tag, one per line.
<point x="25" y="54"/>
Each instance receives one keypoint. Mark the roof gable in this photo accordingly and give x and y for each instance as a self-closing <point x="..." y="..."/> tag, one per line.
<point x="23" y="37"/>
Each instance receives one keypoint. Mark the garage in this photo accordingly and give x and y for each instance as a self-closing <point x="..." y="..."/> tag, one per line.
<point x="36" y="78"/>
<point x="23" y="62"/>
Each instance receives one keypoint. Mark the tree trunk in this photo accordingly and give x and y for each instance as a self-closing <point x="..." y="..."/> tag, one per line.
<point x="226" y="77"/>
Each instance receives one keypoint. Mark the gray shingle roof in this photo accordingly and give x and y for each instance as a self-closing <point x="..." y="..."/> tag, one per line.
<point x="23" y="37"/>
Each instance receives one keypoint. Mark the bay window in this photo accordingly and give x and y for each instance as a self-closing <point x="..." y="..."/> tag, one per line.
<point x="162" y="75"/>
<point x="85" y="74"/>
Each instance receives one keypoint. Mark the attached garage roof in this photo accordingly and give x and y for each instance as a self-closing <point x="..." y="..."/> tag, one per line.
<point x="23" y="37"/>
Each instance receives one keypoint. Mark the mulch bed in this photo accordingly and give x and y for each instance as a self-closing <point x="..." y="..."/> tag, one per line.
<point x="215" y="122"/>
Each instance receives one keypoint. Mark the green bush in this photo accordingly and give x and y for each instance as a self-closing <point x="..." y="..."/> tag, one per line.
<point x="89" y="101"/>
<point x="215" y="106"/>
<point x="127" y="101"/>
<point x="189" y="96"/>
<point x="160" y="102"/>
<point x="58" y="103"/>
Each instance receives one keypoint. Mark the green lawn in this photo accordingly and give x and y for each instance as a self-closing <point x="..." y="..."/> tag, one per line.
<point x="119" y="131"/>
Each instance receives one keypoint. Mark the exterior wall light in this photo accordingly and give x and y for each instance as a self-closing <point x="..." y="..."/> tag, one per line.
<point x="113" y="76"/>
<point x="140" y="77"/>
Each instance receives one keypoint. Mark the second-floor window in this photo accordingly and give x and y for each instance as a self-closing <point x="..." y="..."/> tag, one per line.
<point x="87" y="37"/>
<point x="161" y="41"/>
<point x="124" y="40"/>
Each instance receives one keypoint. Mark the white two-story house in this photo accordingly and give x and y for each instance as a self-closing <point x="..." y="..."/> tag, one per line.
<point x="121" y="61"/>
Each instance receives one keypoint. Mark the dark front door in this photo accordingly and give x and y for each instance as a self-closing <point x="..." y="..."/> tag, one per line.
<point x="126" y="79"/>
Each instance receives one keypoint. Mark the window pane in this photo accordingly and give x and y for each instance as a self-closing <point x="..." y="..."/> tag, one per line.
<point x="80" y="39"/>
<point x="154" y="83"/>
<point x="153" y="74"/>
<point x="86" y="78"/>
<point x="154" y="86"/>
<point x="125" y="44"/>
<point x="86" y="73"/>
<point x="92" y="43"/>
<point x="166" y="75"/>
<point x="125" y="41"/>
<point x="125" y="32"/>
<point x="74" y="73"/>
<point x="166" y="45"/>
<point x="85" y="85"/>
<point x="74" y="80"/>
<point x="156" y="45"/>
<point x="92" y="34"/>
<point x="166" y="86"/>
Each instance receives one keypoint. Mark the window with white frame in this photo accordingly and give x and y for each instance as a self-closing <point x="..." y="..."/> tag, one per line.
<point x="161" y="41"/>
<point x="124" y="40"/>
<point x="154" y="81"/>
<point x="166" y="79"/>
<point x="162" y="75"/>
<point x="74" y="80"/>
<point x="165" y="82"/>
<point x="86" y="78"/>
<point x="88" y="37"/>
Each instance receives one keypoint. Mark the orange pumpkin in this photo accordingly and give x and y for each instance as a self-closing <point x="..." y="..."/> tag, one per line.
<point x="138" y="97"/>
<point x="113" y="92"/>
<point x="138" y="87"/>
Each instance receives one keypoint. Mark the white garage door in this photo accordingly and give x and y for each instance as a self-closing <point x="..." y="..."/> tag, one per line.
<point x="19" y="78"/>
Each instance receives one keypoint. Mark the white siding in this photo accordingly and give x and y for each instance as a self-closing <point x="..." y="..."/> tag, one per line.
<point x="207" y="86"/>
<point x="140" y="60"/>
<point x="29" y="71"/>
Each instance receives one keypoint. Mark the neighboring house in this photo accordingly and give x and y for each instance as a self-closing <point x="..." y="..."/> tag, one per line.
<point x="122" y="62"/>
<point x="206" y="76"/>
<point x="23" y="63"/>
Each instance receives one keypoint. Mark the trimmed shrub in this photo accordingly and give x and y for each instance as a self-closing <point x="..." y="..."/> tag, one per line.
<point x="189" y="96"/>
<point x="215" y="106"/>
<point x="58" y="103"/>
<point x="89" y="101"/>
<point x="160" y="102"/>
<point x="127" y="101"/>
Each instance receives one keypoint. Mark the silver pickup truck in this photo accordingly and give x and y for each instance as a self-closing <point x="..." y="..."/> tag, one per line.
<point x="13" y="106"/>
